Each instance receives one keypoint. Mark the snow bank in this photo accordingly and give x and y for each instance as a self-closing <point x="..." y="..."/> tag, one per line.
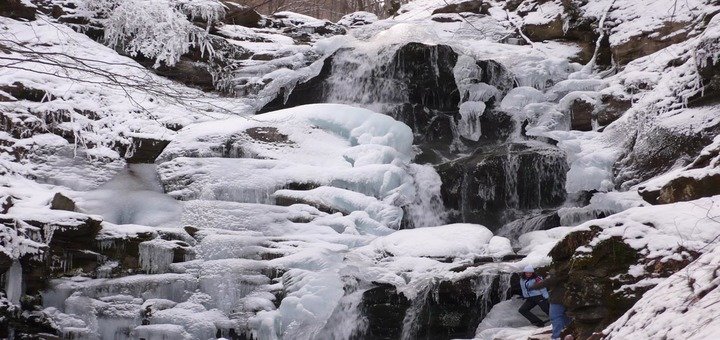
<point x="454" y="241"/>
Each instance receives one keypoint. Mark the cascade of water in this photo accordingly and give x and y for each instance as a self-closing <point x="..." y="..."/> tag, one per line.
<point x="156" y="256"/>
<point x="411" y="322"/>
<point x="541" y="221"/>
<point x="13" y="282"/>
<point x="428" y="209"/>
<point x="361" y="79"/>
<point x="346" y="321"/>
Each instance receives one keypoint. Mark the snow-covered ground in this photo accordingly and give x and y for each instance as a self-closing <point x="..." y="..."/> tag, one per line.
<point x="277" y="225"/>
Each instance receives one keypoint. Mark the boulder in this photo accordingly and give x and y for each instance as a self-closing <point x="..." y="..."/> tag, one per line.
<point x="610" y="263"/>
<point x="659" y="148"/>
<point x="62" y="202"/>
<point x="145" y="150"/>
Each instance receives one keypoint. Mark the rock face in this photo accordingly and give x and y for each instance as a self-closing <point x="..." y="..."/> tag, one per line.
<point x="684" y="189"/>
<point x="385" y="309"/>
<point x="611" y="109"/>
<point x="657" y="150"/>
<point x="645" y="44"/>
<point x="708" y="67"/>
<point x="492" y="185"/>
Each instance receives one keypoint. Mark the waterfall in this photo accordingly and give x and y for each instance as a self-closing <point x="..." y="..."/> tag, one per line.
<point x="427" y="210"/>
<point x="362" y="79"/>
<point x="453" y="308"/>
<point x="13" y="282"/>
<point x="412" y="321"/>
<point x="346" y="321"/>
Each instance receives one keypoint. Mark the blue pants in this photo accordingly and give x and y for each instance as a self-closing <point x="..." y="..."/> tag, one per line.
<point x="558" y="319"/>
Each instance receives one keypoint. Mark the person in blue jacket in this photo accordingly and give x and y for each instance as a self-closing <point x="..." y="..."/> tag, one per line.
<point x="533" y="297"/>
<point x="556" y="284"/>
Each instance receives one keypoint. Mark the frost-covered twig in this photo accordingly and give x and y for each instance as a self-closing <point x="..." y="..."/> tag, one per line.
<point x="157" y="29"/>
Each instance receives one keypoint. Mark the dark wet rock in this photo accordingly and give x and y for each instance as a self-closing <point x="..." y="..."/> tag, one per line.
<point x="472" y="6"/>
<point x="444" y="310"/>
<point x="17" y="9"/>
<point x="301" y="30"/>
<point x="495" y="74"/>
<point x="491" y="186"/>
<point x="7" y="203"/>
<point x="287" y="201"/>
<point x="68" y="247"/>
<point x="611" y="109"/>
<point x="683" y="189"/>
<point x="21" y="323"/>
<point x="145" y="150"/>
<point x="358" y="19"/>
<point x="21" y="92"/>
<point x="385" y="310"/>
<point x="581" y="115"/>
<point x="237" y="14"/>
<point x="268" y="135"/>
<point x="62" y="202"/>
<point x="444" y="18"/>
<point x="543" y="221"/>
<point x="308" y="92"/>
<point x="124" y="250"/>
<point x="453" y="309"/>
<point x="709" y="72"/>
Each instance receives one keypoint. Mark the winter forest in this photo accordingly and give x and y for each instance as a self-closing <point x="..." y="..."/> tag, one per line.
<point x="360" y="169"/>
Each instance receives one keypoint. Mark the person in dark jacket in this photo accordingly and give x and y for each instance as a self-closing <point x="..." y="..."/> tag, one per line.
<point x="533" y="297"/>
<point x="556" y="284"/>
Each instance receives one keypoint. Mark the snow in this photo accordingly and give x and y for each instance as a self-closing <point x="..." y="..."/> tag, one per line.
<point x="504" y="322"/>
<point x="323" y="132"/>
<point x="454" y="240"/>
<point x="158" y="30"/>
<point x="682" y="306"/>
<point x="347" y="201"/>
<point x="133" y="196"/>
<point x="299" y="271"/>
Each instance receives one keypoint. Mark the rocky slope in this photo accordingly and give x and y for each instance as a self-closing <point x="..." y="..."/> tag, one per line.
<point x="283" y="176"/>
